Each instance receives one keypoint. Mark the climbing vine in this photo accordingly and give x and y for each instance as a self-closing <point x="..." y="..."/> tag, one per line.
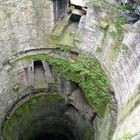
<point x="87" y="73"/>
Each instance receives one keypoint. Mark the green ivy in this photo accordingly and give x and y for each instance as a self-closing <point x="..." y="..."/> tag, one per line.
<point x="125" y="47"/>
<point x="118" y="34"/>
<point x="120" y="21"/>
<point x="99" y="50"/>
<point x="90" y="76"/>
<point x="87" y="73"/>
<point x="65" y="49"/>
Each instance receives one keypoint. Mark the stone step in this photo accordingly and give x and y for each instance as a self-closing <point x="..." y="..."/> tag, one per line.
<point x="40" y="79"/>
<point x="48" y="73"/>
<point x="60" y="27"/>
<point x="67" y="40"/>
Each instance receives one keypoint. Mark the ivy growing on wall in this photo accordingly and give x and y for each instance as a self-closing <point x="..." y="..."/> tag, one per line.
<point x="85" y="71"/>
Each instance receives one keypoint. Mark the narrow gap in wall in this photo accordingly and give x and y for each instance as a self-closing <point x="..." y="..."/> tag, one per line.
<point x="39" y="72"/>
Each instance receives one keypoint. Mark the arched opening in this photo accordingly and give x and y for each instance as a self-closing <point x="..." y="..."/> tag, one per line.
<point x="70" y="117"/>
<point x="46" y="117"/>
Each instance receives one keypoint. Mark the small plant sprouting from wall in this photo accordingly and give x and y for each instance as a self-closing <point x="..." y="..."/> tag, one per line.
<point x="97" y="6"/>
<point x="18" y="113"/>
<point x="24" y="114"/>
<point x="125" y="7"/>
<point x="99" y="50"/>
<point x="125" y="47"/>
<point x="118" y="36"/>
<point x="65" y="49"/>
<point x="45" y="5"/>
<point x="119" y="22"/>
<point x="16" y="88"/>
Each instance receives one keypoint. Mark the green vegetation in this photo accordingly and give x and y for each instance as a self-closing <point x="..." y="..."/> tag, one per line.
<point x="88" y="73"/>
<point x="89" y="134"/>
<point x="67" y="39"/>
<point x="58" y="30"/>
<point x="54" y="99"/>
<point x="97" y="5"/>
<point x="118" y="35"/>
<point x="109" y="20"/>
<point x="119" y="22"/>
<point x="78" y="36"/>
<point x="99" y="50"/>
<point x="125" y="47"/>
<point x="114" y="52"/>
<point x="16" y="88"/>
<point x="65" y="49"/>
<point x="45" y="5"/>
<point x="125" y="7"/>
<point x="24" y="115"/>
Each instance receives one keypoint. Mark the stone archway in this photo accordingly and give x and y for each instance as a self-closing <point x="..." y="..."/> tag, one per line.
<point x="46" y="116"/>
<point x="64" y="74"/>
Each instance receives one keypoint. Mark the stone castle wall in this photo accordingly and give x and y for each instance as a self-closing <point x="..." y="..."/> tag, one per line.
<point x="27" y="24"/>
<point x="123" y="67"/>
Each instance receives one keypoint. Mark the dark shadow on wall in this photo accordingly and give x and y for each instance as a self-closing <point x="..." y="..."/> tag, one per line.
<point x="60" y="7"/>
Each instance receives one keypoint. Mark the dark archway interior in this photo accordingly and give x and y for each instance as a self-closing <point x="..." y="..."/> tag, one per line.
<point x="48" y="136"/>
<point x="47" y="117"/>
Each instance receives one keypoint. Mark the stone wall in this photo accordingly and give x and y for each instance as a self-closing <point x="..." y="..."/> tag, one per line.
<point x="25" y="24"/>
<point x="23" y="79"/>
<point x="122" y="68"/>
<point x="122" y="65"/>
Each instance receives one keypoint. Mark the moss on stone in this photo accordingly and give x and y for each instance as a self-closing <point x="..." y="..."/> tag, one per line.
<point x="118" y="36"/>
<point x="62" y="37"/>
<point x="99" y="50"/>
<point x="65" y="48"/>
<point x="125" y="47"/>
<point x="54" y="99"/>
<point x="18" y="113"/>
<point x="16" y="87"/>
<point x="78" y="36"/>
<point x="114" y="52"/>
<point x="45" y="5"/>
<point x="88" y="73"/>
<point x="68" y="38"/>
<point x="89" y="134"/>
<point x="123" y="7"/>
<point x="58" y="30"/>
<point x="11" y="126"/>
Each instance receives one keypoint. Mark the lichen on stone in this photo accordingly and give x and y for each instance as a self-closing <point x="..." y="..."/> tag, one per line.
<point x="16" y="87"/>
